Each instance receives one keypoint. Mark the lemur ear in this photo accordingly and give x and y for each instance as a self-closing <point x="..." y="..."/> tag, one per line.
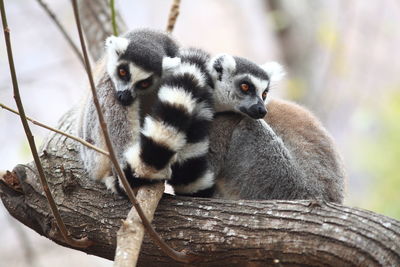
<point x="274" y="70"/>
<point x="116" y="45"/>
<point x="221" y="64"/>
<point x="169" y="64"/>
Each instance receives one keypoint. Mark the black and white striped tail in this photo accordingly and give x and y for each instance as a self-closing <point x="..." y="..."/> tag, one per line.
<point x="174" y="138"/>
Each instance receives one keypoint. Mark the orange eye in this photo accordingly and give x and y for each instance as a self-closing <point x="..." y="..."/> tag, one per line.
<point x="122" y="72"/>
<point x="264" y="95"/>
<point x="244" y="87"/>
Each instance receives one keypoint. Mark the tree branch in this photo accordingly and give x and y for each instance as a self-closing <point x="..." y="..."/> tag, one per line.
<point x="229" y="233"/>
<point x="173" y="15"/>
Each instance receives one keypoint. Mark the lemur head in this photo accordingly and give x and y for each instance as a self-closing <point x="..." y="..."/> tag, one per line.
<point x="134" y="62"/>
<point x="241" y="85"/>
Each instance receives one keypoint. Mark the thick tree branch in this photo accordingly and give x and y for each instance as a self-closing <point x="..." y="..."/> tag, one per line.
<point x="230" y="233"/>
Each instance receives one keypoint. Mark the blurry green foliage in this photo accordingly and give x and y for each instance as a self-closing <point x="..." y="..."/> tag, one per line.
<point x="380" y="156"/>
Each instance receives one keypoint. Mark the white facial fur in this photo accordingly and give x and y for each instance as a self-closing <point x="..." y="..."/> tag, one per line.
<point x="115" y="47"/>
<point x="224" y="86"/>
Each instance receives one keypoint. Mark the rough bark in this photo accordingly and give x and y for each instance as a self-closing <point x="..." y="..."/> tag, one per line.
<point x="233" y="233"/>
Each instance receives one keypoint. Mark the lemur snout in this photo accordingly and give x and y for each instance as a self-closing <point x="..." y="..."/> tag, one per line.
<point x="125" y="97"/>
<point x="257" y="111"/>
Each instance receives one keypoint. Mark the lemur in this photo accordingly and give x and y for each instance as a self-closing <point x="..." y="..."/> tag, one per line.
<point x="242" y="86"/>
<point x="287" y="154"/>
<point x="173" y="143"/>
<point x="126" y="81"/>
<point x="287" y="177"/>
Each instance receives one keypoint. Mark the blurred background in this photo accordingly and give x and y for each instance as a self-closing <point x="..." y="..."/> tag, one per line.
<point x="342" y="59"/>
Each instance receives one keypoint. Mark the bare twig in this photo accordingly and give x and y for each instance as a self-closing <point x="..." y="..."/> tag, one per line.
<point x="113" y="18"/>
<point x="173" y="15"/>
<point x="80" y="140"/>
<point x="130" y="235"/>
<point x="54" y="18"/>
<point x="84" y="242"/>
<point x="179" y="256"/>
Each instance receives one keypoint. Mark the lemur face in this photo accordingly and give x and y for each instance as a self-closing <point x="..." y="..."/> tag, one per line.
<point x="130" y="80"/>
<point x="241" y="85"/>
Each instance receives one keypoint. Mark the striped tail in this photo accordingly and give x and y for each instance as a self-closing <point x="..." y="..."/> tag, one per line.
<point x="174" y="138"/>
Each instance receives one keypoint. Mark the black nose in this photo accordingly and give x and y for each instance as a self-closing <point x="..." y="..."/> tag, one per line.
<point x="262" y="111"/>
<point x="257" y="111"/>
<point x="124" y="97"/>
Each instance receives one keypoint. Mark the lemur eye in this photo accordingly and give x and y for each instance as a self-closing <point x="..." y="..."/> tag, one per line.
<point x="123" y="73"/>
<point x="143" y="84"/>
<point x="264" y="95"/>
<point x="244" y="87"/>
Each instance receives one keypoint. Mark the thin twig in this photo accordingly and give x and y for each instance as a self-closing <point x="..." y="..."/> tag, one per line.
<point x="83" y="242"/>
<point x="173" y="15"/>
<point x="113" y="18"/>
<point x="54" y="18"/>
<point x="80" y="140"/>
<point x="179" y="256"/>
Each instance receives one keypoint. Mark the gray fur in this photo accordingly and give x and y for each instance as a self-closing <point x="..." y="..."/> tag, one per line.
<point x="122" y="120"/>
<point x="289" y="155"/>
<point x="244" y="66"/>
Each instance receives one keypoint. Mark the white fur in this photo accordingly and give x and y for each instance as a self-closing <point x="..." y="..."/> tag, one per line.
<point x="141" y="169"/>
<point x="169" y="64"/>
<point x="275" y="71"/>
<point x="116" y="45"/>
<point x="228" y="64"/>
<point x="177" y="96"/>
<point x="194" y="70"/>
<point x="204" y="182"/>
<point x="260" y="84"/>
<point x="203" y="111"/>
<point x="163" y="134"/>
<point x="110" y="183"/>
<point x="137" y="73"/>
<point x="193" y="150"/>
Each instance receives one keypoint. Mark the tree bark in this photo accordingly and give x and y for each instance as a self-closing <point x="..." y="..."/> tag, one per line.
<point x="233" y="233"/>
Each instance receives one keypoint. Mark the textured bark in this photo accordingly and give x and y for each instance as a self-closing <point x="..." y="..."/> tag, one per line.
<point x="233" y="233"/>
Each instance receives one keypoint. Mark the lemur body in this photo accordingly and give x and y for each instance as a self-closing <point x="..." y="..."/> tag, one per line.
<point x="130" y="71"/>
<point x="271" y="165"/>
<point x="286" y="155"/>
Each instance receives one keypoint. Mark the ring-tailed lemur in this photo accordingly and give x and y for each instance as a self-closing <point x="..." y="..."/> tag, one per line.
<point x="126" y="81"/>
<point x="173" y="142"/>
<point x="286" y="155"/>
